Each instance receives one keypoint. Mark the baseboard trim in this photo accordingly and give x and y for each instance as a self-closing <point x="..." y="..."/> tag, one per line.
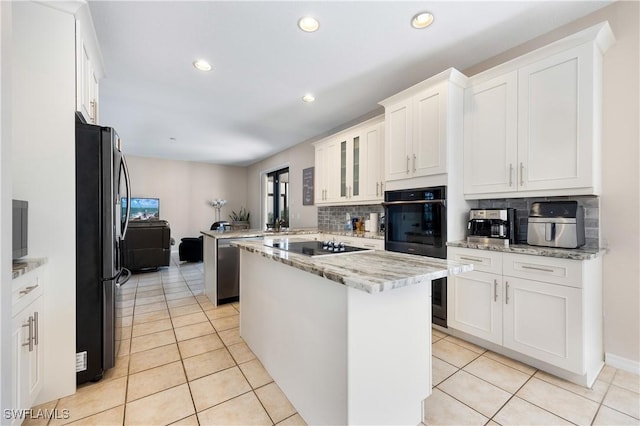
<point x="622" y="363"/>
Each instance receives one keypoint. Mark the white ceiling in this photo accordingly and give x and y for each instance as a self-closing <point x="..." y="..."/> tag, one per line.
<point x="249" y="106"/>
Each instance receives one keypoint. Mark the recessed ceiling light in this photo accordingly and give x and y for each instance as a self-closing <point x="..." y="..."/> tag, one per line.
<point x="422" y="20"/>
<point x="308" y="98"/>
<point x="202" y="65"/>
<point x="308" y="24"/>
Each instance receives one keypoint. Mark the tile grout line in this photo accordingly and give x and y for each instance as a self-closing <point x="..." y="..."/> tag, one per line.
<point x="184" y="370"/>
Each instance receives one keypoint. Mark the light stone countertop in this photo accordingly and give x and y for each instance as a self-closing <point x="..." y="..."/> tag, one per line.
<point x="369" y="235"/>
<point x="253" y="233"/>
<point x="371" y="271"/>
<point x="562" y="253"/>
<point x="22" y="266"/>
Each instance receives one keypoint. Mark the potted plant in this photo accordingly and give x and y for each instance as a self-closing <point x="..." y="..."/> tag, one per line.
<point x="239" y="220"/>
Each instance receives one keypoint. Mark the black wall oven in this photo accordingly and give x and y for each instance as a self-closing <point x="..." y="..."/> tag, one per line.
<point x="416" y="223"/>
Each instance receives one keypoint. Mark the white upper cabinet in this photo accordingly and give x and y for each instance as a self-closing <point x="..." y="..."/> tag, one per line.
<point x="533" y="124"/>
<point x="349" y="165"/>
<point x="416" y="121"/>
<point x="89" y="67"/>
<point x="490" y="135"/>
<point x="556" y="121"/>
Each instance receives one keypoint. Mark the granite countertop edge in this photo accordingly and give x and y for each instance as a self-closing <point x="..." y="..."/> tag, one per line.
<point x="24" y="266"/>
<point x="373" y="271"/>
<point x="561" y="253"/>
<point x="253" y="233"/>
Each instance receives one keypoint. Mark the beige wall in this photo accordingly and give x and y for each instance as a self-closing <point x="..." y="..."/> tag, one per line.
<point x="297" y="158"/>
<point x="184" y="189"/>
<point x="620" y="220"/>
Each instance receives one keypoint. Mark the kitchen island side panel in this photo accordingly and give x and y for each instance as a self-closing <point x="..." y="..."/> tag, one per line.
<point x="341" y="355"/>
<point x="389" y="355"/>
<point x="295" y="323"/>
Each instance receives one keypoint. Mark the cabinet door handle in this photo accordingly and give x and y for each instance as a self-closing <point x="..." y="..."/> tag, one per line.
<point x="535" y="268"/>
<point x="377" y="188"/>
<point x="510" y="174"/>
<point x="414" y="163"/>
<point x="93" y="111"/>
<point x="470" y="259"/>
<point x="521" y="174"/>
<point x="408" y="159"/>
<point x="506" y="293"/>
<point x="381" y="189"/>
<point x="28" y="289"/>
<point x="30" y="340"/>
<point x="495" y="290"/>
<point x="36" y="328"/>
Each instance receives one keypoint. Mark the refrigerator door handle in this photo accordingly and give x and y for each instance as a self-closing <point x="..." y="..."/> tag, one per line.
<point x="126" y="273"/>
<point x="125" y="226"/>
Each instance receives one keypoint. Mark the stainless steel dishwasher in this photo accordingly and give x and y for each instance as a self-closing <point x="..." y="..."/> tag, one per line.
<point x="228" y="270"/>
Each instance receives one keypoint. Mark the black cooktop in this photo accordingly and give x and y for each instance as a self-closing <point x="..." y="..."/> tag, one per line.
<point x="315" y="248"/>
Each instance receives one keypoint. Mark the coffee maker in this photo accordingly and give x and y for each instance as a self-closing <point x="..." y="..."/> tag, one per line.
<point x="492" y="226"/>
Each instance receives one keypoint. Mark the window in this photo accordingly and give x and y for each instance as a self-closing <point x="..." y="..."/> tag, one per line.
<point x="278" y="197"/>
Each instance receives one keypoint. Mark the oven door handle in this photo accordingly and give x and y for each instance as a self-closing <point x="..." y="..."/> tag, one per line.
<point x="409" y="202"/>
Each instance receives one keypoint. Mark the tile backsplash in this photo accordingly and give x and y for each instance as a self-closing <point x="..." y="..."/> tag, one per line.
<point x="333" y="218"/>
<point x="591" y="206"/>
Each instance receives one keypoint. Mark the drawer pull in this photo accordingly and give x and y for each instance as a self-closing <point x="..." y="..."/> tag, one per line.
<point x="28" y="289"/>
<point x="495" y="290"/>
<point x="471" y="259"/>
<point x="369" y="245"/>
<point x="535" y="268"/>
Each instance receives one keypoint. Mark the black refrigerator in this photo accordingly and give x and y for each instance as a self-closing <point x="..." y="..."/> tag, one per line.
<point x="101" y="181"/>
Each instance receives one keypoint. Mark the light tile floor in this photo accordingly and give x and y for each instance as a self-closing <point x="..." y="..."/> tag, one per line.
<point x="473" y="386"/>
<point x="182" y="361"/>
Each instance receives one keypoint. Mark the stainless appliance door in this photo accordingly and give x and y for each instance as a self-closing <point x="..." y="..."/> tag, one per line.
<point x="228" y="271"/>
<point x="110" y="264"/>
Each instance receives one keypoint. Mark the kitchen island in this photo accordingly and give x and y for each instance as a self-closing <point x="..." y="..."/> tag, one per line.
<point x="221" y="260"/>
<point x="347" y="337"/>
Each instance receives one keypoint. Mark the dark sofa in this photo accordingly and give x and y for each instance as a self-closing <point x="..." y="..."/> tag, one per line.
<point x="147" y="244"/>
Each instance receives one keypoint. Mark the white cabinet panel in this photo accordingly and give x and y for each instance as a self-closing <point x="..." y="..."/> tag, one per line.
<point x="372" y="168"/>
<point x="482" y="260"/>
<point x="555" y="126"/>
<point x="88" y="69"/>
<point x="429" y="142"/>
<point x="418" y="121"/>
<point x="490" y="144"/>
<point x="474" y="305"/>
<point x="544" y="321"/>
<point x="348" y="165"/>
<point x="533" y="123"/>
<point x="27" y="355"/>
<point x="398" y="140"/>
<point x="549" y="309"/>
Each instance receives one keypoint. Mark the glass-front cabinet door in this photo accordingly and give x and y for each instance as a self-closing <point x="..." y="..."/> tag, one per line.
<point x="350" y="153"/>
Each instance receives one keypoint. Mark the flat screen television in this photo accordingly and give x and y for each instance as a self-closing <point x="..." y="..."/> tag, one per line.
<point x="20" y="228"/>
<point x="142" y="208"/>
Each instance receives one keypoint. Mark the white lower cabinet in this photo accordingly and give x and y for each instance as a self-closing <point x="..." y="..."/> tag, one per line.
<point x="26" y="342"/>
<point x="548" y="309"/>
<point x="543" y="321"/>
<point x="474" y="305"/>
